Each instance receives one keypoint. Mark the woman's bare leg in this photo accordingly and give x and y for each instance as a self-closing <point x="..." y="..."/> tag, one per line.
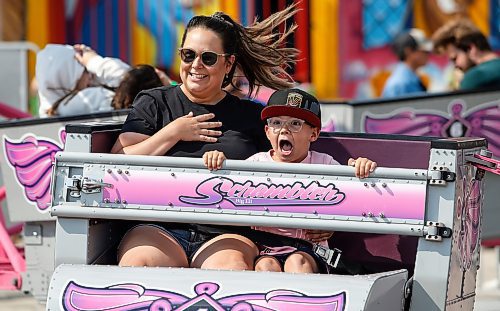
<point x="268" y="263"/>
<point x="301" y="262"/>
<point x="226" y="251"/>
<point x="152" y="247"/>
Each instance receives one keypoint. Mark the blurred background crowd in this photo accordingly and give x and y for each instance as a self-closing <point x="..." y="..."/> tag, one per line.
<point x="346" y="47"/>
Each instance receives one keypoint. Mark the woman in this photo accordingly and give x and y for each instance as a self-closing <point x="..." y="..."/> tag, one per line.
<point x="76" y="80"/>
<point x="141" y="77"/>
<point x="199" y="116"/>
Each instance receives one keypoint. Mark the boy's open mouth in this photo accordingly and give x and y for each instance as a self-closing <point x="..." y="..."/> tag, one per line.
<point x="285" y="146"/>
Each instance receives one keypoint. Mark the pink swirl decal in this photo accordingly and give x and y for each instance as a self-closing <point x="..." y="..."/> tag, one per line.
<point x="480" y="121"/>
<point x="469" y="215"/>
<point x="31" y="159"/>
<point x="128" y="297"/>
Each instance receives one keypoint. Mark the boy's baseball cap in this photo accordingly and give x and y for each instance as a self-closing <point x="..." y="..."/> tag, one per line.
<point x="294" y="103"/>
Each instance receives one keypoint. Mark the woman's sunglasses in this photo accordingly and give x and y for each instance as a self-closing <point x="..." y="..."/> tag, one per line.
<point x="208" y="58"/>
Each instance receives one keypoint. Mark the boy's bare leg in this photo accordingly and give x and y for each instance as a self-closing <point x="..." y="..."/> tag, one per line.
<point x="268" y="263"/>
<point x="301" y="262"/>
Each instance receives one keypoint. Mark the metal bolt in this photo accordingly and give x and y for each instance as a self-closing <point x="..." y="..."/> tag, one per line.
<point x="106" y="200"/>
<point x="365" y="184"/>
<point x="372" y="184"/>
<point x="109" y="171"/>
<point x="267" y="209"/>
<point x="119" y="171"/>
<point x="370" y="214"/>
<point x="382" y="215"/>
<point x="124" y="201"/>
<point x="170" y="204"/>
<point x="363" y="214"/>
<point x="172" y="174"/>
<point x="384" y="185"/>
<point x="269" y="179"/>
<point x="117" y="201"/>
<point x="315" y="212"/>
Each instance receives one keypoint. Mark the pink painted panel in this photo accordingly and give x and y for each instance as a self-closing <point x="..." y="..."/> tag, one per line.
<point x="343" y="198"/>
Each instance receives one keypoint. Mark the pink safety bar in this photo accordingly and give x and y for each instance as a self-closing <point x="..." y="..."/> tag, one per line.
<point x="14" y="229"/>
<point x="495" y="164"/>
<point x="12" y="262"/>
<point x="13" y="113"/>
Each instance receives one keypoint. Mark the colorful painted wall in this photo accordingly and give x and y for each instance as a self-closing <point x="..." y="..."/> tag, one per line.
<point x="144" y="31"/>
<point x="344" y="43"/>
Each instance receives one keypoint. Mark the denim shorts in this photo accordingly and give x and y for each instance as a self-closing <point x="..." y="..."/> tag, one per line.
<point x="188" y="238"/>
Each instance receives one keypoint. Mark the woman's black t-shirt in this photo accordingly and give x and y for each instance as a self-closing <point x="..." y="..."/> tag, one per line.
<point x="242" y="129"/>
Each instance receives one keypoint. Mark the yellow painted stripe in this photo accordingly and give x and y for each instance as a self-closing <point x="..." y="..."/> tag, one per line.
<point x="209" y="7"/>
<point x="36" y="28"/>
<point x="419" y="18"/>
<point x="145" y="46"/>
<point x="324" y="48"/>
<point x="479" y="13"/>
<point x="232" y="8"/>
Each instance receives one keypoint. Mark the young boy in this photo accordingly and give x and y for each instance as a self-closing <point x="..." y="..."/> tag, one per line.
<point x="293" y="122"/>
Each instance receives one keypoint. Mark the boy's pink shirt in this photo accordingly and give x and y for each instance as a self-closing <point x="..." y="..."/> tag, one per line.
<point x="313" y="157"/>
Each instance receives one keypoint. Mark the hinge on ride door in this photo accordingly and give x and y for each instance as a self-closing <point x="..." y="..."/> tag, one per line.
<point x="440" y="175"/>
<point x="78" y="184"/>
<point x="436" y="231"/>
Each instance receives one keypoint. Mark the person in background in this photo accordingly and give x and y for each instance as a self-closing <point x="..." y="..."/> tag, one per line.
<point x="199" y="115"/>
<point x="76" y="80"/>
<point x="412" y="49"/>
<point x="469" y="50"/>
<point x="138" y="78"/>
<point x="293" y="122"/>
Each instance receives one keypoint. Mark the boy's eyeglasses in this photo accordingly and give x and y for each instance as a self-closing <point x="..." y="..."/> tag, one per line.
<point x="208" y="58"/>
<point x="294" y="125"/>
